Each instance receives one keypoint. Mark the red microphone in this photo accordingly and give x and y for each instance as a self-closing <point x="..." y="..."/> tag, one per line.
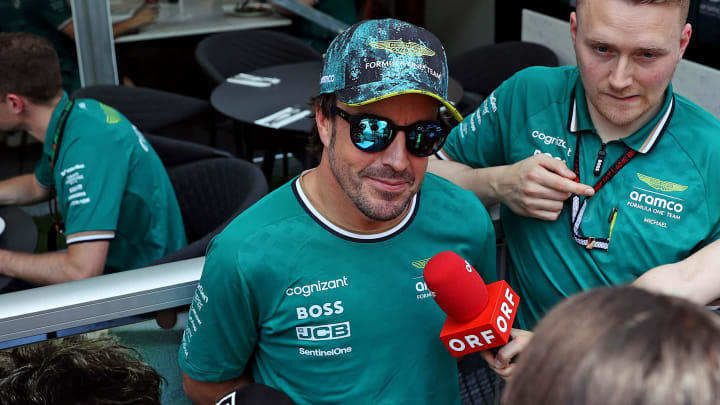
<point x="479" y="316"/>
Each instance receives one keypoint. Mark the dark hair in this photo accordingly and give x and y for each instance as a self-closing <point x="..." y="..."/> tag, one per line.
<point x="618" y="346"/>
<point x="683" y="4"/>
<point x="325" y="102"/>
<point x="77" y="370"/>
<point x="29" y="67"/>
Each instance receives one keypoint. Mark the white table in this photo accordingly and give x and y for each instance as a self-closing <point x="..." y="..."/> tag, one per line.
<point x="227" y="22"/>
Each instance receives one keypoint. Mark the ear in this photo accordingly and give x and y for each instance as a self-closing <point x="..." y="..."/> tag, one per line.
<point x="16" y="103"/>
<point x="573" y="25"/>
<point x="685" y="38"/>
<point x="324" y="125"/>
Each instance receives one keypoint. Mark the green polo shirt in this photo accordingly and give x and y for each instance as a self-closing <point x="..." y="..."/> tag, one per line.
<point x="329" y="316"/>
<point x="666" y="207"/>
<point x="108" y="178"/>
<point x="45" y="18"/>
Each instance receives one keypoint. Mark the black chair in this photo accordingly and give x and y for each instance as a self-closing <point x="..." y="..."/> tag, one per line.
<point x="211" y="193"/>
<point x="481" y="70"/>
<point x="175" y="152"/>
<point x="148" y="109"/>
<point x="226" y="54"/>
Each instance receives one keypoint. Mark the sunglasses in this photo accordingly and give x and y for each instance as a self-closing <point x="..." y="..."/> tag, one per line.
<point x="371" y="133"/>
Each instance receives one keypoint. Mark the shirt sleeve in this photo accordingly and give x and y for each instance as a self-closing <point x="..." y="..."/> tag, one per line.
<point x="480" y="140"/>
<point x="43" y="174"/>
<point x="91" y="184"/>
<point x="713" y="198"/>
<point x="486" y="248"/>
<point x="221" y="330"/>
<point x="57" y="13"/>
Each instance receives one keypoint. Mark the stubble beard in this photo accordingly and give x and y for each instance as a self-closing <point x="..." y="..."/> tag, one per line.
<point x="353" y="187"/>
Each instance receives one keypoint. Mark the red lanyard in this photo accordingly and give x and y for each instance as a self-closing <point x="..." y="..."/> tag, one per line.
<point x="609" y="173"/>
<point x="578" y="210"/>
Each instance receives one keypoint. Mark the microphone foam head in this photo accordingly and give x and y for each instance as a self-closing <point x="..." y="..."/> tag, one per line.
<point x="459" y="290"/>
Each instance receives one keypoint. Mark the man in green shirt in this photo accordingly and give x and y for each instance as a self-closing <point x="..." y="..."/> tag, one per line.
<point x="317" y="290"/>
<point x="113" y="194"/>
<point x="52" y="19"/>
<point x="603" y="172"/>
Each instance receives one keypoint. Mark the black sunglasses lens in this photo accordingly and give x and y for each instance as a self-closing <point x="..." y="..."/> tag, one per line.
<point x="426" y="139"/>
<point x="371" y="134"/>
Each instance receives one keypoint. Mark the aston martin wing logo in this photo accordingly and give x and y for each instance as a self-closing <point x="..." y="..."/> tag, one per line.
<point x="661" y="185"/>
<point x="420" y="264"/>
<point x="111" y="115"/>
<point x="403" y="48"/>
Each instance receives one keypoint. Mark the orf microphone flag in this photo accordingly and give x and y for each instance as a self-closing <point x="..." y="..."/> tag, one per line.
<point x="479" y="316"/>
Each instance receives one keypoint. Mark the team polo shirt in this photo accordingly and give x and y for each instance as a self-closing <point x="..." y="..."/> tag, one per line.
<point x="329" y="316"/>
<point x="45" y="18"/>
<point x="108" y="178"/>
<point x="666" y="203"/>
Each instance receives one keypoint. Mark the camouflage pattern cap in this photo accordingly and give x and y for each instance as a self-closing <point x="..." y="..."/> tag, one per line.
<point x="377" y="59"/>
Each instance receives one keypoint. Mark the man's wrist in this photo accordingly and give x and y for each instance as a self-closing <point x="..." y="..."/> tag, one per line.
<point x="4" y="259"/>
<point x="493" y="176"/>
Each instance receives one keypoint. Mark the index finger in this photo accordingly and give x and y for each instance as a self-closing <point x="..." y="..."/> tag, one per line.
<point x="555" y="165"/>
<point x="518" y="343"/>
<point x="568" y="186"/>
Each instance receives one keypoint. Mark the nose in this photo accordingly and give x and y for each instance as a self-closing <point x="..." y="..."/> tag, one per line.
<point x="396" y="155"/>
<point x="621" y="74"/>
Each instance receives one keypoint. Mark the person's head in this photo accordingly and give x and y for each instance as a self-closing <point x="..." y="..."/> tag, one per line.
<point x="620" y="346"/>
<point x="29" y="72"/>
<point x="378" y="74"/>
<point x="627" y="51"/>
<point x="77" y="370"/>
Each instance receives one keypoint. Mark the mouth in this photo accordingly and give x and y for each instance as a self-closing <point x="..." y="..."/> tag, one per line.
<point x="623" y="99"/>
<point x="388" y="185"/>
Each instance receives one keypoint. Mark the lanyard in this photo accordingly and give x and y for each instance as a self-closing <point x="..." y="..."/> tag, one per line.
<point x="578" y="210"/>
<point x="59" y="131"/>
<point x="59" y="226"/>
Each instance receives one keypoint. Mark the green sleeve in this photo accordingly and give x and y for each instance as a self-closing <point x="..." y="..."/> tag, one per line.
<point x="481" y="139"/>
<point x="43" y="174"/>
<point x="486" y="250"/>
<point x="713" y="197"/>
<point x="91" y="184"/>
<point x="221" y="330"/>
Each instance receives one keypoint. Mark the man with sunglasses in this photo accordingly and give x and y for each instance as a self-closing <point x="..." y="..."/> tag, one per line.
<point x="603" y="171"/>
<point x="317" y="290"/>
<point x="107" y="188"/>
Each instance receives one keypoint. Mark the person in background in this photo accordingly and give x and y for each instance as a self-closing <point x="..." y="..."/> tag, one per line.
<point x="317" y="289"/>
<point x="52" y="19"/>
<point x="603" y="172"/>
<point x="620" y="346"/>
<point x="77" y="370"/>
<point x="112" y="196"/>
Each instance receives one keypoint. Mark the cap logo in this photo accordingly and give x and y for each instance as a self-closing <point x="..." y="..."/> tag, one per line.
<point x="403" y="48"/>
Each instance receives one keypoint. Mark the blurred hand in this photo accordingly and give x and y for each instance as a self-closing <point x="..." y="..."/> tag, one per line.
<point x="538" y="186"/>
<point x="501" y="362"/>
<point x="144" y="15"/>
